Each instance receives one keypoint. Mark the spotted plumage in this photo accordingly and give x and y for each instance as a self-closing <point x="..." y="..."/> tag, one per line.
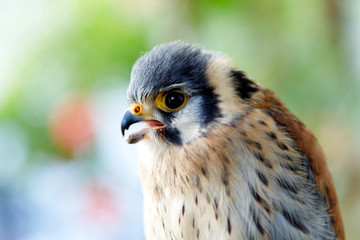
<point x="221" y="156"/>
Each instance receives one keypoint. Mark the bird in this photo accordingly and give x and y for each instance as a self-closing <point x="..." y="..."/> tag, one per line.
<point x="221" y="157"/>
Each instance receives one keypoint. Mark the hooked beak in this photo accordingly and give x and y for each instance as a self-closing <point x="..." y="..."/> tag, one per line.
<point x="131" y="118"/>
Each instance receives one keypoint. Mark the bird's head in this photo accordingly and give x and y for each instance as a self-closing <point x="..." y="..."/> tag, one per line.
<point x="181" y="91"/>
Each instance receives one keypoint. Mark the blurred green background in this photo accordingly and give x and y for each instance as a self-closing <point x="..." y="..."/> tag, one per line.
<point x="64" y="67"/>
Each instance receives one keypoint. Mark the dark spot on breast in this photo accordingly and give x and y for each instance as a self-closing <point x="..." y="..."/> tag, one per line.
<point x="215" y="203"/>
<point x="258" y="145"/>
<point x="268" y="164"/>
<point x="287" y="185"/>
<point x="249" y="142"/>
<point x="174" y="170"/>
<point x="243" y="133"/>
<point x="225" y="158"/>
<point x="204" y="172"/>
<point x="229" y="226"/>
<point x="259" y="156"/>
<point x="291" y="167"/>
<point x="197" y="233"/>
<point x="258" y="224"/>
<point x="193" y="222"/>
<point x="262" y="122"/>
<point x="183" y="209"/>
<point x="283" y="156"/>
<point x="196" y="200"/>
<point x="179" y="220"/>
<point x="266" y="207"/>
<point x="207" y="198"/>
<point x="216" y="215"/>
<point x="225" y="180"/>
<point x="197" y="182"/>
<point x="272" y="135"/>
<point x="255" y="195"/>
<point x="295" y="221"/>
<point x="282" y="146"/>
<point x="250" y="124"/>
<point x="262" y="177"/>
<point x="225" y="175"/>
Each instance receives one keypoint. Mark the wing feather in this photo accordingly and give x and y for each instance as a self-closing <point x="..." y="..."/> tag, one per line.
<point x="309" y="146"/>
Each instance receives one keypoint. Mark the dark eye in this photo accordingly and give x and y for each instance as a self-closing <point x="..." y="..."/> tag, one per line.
<point x="174" y="100"/>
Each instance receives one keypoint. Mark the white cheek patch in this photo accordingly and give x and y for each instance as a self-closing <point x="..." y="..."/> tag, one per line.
<point x="187" y="120"/>
<point x="189" y="129"/>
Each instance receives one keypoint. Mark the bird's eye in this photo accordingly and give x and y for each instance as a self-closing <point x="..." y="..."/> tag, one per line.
<point x="172" y="101"/>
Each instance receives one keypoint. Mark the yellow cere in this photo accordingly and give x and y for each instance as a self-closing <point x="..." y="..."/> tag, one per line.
<point x="136" y="109"/>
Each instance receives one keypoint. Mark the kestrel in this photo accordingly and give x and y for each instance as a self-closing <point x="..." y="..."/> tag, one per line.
<point x="221" y="156"/>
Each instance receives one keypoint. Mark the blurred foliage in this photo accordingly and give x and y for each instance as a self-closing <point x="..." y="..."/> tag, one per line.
<point x="292" y="47"/>
<point x="295" y="48"/>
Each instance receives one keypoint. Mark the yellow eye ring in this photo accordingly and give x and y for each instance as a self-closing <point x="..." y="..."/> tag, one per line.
<point x="172" y="100"/>
<point x="136" y="109"/>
